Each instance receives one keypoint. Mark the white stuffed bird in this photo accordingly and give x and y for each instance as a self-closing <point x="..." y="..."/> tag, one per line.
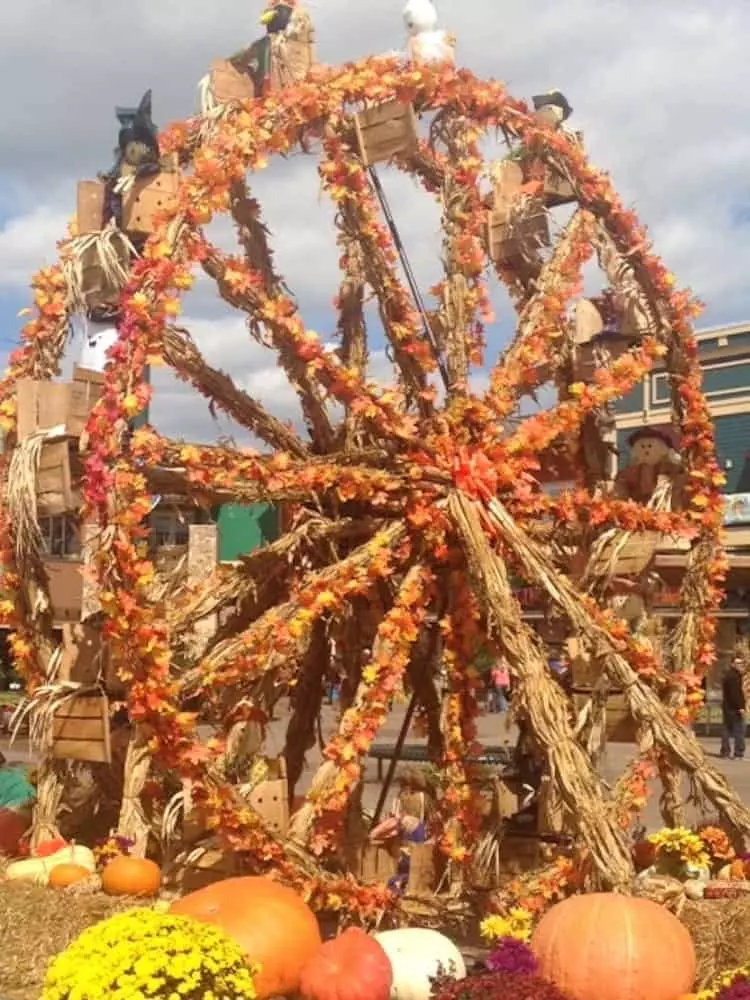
<point x="427" y="43"/>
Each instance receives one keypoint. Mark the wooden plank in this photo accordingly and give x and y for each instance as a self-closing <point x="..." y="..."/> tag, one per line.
<point x="81" y="730"/>
<point x="89" y="207"/>
<point x="522" y="237"/>
<point x="65" y="589"/>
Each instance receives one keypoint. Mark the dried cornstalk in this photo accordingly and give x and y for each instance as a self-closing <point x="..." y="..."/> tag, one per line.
<point x="133" y="823"/>
<point x="648" y="711"/>
<point x="262" y="632"/>
<point x="181" y="353"/>
<point x="326" y="775"/>
<point x="306" y="699"/>
<point x="352" y="328"/>
<point x="543" y="703"/>
<point x="512" y="370"/>
<point x="307" y="388"/>
<point x="50" y="790"/>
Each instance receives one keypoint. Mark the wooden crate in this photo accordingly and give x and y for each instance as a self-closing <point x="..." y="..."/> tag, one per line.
<point x="385" y="131"/>
<point x="62" y="406"/>
<point x="270" y="798"/>
<point x="632" y="559"/>
<point x="80" y="730"/>
<point x="620" y="725"/>
<point x="90" y="207"/>
<point x="57" y="489"/>
<point x="228" y="83"/>
<point x="65" y="589"/>
<point x="511" y="239"/>
<point x="145" y="199"/>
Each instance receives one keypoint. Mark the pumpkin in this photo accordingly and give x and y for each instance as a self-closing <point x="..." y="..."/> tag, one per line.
<point x="125" y="876"/>
<point x="350" y="967"/>
<point x="604" y="946"/>
<point x="12" y="830"/>
<point x="271" y="923"/>
<point x="418" y="956"/>
<point x="63" y="876"/>
<point x="38" y="870"/>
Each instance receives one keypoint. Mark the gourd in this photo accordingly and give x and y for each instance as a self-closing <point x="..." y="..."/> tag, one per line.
<point x="126" y="876"/>
<point x="38" y="869"/>
<point x="418" y="955"/>
<point x="350" y="967"/>
<point x="271" y="923"/>
<point x="63" y="876"/>
<point x="605" y="946"/>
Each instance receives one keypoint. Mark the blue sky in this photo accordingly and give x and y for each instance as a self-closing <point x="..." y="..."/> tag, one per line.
<point x="655" y="88"/>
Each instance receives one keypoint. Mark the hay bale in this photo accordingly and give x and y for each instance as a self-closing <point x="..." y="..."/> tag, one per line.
<point x="720" y="929"/>
<point x="36" y="924"/>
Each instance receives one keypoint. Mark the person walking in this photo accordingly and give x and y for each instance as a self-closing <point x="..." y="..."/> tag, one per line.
<point x="733" y="711"/>
<point x="500" y="677"/>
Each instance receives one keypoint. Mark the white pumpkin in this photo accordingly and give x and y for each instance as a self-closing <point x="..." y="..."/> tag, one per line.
<point x="694" y="888"/>
<point x="38" y="869"/>
<point x="417" y="956"/>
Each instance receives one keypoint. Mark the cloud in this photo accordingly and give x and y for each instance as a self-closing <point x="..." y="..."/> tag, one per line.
<point x="656" y="89"/>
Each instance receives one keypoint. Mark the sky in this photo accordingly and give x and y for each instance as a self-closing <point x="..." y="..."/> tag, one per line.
<point x="655" y="88"/>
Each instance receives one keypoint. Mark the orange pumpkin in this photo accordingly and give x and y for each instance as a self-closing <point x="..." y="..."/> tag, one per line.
<point x="125" y="876"/>
<point x="63" y="876"/>
<point x="272" y="925"/>
<point x="603" y="946"/>
<point x="353" y="966"/>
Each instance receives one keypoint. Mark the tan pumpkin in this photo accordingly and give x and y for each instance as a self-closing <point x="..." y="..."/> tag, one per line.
<point x="125" y="876"/>
<point x="604" y="946"/>
<point x="63" y="876"/>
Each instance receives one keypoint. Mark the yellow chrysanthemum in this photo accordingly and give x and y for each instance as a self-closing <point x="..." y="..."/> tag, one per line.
<point x="143" y="953"/>
<point x="514" y="924"/>
<point x="683" y="843"/>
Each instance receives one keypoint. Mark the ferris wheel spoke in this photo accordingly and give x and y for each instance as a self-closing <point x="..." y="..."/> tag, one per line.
<point x="182" y="354"/>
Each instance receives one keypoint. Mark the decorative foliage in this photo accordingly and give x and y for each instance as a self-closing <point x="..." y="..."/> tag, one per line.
<point x="516" y="925"/>
<point x="513" y="956"/>
<point x="497" y="986"/>
<point x="144" y="953"/>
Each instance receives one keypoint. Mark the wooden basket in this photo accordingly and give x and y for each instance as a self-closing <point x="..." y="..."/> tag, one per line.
<point x="375" y="863"/>
<point x="228" y="83"/>
<point x="385" y="131"/>
<point x="518" y="238"/>
<point x="557" y="189"/>
<point x="80" y="730"/>
<point x="145" y="200"/>
<point x="90" y="207"/>
<point x="101" y="291"/>
<point x="422" y="870"/>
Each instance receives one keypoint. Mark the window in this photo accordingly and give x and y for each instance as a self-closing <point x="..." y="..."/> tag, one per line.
<point x="61" y="536"/>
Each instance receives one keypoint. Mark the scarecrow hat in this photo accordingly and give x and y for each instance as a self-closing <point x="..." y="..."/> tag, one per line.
<point x="556" y="98"/>
<point x="662" y="433"/>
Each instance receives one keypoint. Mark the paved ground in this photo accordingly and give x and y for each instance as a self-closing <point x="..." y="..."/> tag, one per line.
<point x="492" y="731"/>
